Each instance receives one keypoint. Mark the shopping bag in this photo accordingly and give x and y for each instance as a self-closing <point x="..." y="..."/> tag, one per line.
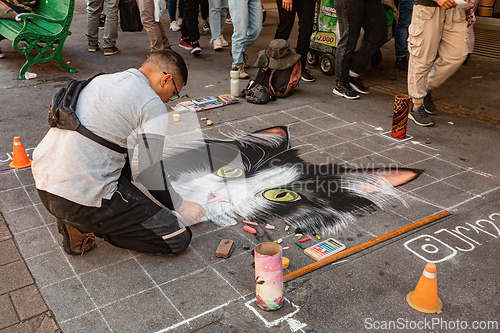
<point x="160" y="9"/>
<point x="130" y="18"/>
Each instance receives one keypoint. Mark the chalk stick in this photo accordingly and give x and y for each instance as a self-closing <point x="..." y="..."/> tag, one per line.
<point x="299" y="245"/>
<point x="270" y="227"/>
<point x="226" y="247"/>
<point x="305" y="240"/>
<point x="252" y="223"/>
<point x="249" y="229"/>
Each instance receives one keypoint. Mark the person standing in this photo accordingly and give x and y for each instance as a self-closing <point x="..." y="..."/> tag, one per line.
<point x="190" y="34"/>
<point x="438" y="45"/>
<point x="401" y="33"/>
<point x="172" y="8"/>
<point x="157" y="38"/>
<point x="352" y="16"/>
<point x="304" y="9"/>
<point x="218" y="19"/>
<point x="94" y="11"/>
<point x="246" y="17"/>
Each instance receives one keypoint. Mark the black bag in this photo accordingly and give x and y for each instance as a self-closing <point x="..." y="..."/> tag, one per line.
<point x="280" y="82"/>
<point x="130" y="18"/>
<point x="62" y="113"/>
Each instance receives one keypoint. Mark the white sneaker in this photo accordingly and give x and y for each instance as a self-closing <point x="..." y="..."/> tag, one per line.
<point x="205" y="25"/>
<point x="223" y="41"/>
<point x="174" y="26"/>
<point x="217" y="43"/>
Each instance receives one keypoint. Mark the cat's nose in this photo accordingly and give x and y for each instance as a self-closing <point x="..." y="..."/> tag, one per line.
<point x="216" y="197"/>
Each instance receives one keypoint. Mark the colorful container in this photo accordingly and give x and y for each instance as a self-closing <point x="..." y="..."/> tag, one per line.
<point x="268" y="276"/>
<point x="400" y="116"/>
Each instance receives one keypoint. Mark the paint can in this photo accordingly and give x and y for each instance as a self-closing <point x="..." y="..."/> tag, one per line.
<point x="268" y="276"/>
<point x="400" y="116"/>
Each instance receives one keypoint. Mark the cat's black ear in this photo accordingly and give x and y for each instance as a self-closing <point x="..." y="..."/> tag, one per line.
<point x="278" y="131"/>
<point x="395" y="177"/>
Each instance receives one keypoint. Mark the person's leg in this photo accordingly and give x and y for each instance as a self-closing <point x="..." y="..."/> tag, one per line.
<point x="172" y="9"/>
<point x="452" y="50"/>
<point x="349" y="15"/>
<point x="286" y="20"/>
<point x="305" y="12"/>
<point x="111" y="24"/>
<point x="94" y="10"/>
<point x="239" y="16"/>
<point x="181" y="9"/>
<point x="375" y="27"/>
<point x="157" y="39"/>
<point x="254" y="23"/>
<point x="216" y="17"/>
<point x="190" y="20"/>
<point x="401" y="34"/>
<point x="204" y="9"/>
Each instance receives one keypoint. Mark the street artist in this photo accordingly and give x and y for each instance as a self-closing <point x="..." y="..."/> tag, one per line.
<point x="88" y="187"/>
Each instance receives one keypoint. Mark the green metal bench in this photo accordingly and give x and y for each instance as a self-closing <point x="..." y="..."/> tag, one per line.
<point x="40" y="36"/>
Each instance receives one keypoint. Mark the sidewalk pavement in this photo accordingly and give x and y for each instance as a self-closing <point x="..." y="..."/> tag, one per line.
<point x="114" y="290"/>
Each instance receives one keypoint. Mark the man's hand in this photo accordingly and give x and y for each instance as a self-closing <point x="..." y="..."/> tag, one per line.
<point x="287" y="5"/>
<point x="446" y="4"/>
<point x="191" y="211"/>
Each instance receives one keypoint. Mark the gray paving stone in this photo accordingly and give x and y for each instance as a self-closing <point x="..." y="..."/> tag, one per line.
<point x="350" y="132"/>
<point x="28" y="302"/>
<point x="239" y="272"/>
<point x="114" y="282"/>
<point x="25" y="176"/>
<point x="68" y="299"/>
<point x="347" y="151"/>
<point x="299" y="129"/>
<point x="14" y="276"/>
<point x="4" y="230"/>
<point x="327" y="122"/>
<point x="50" y="268"/>
<point x="474" y="181"/>
<point x="373" y="161"/>
<point x="443" y="194"/>
<point x="89" y="322"/>
<point x="405" y="155"/>
<point x="8" y="252"/>
<point x="46" y="216"/>
<point x="8" y="180"/>
<point x="8" y="314"/>
<point x="14" y="199"/>
<point x="24" y="219"/>
<point x="211" y="292"/>
<point x="251" y="125"/>
<point x="305" y="113"/>
<point x="35" y="241"/>
<point x="322" y="139"/>
<point x="375" y="142"/>
<point x="148" y="311"/>
<point x="33" y="193"/>
<point x="437" y="168"/>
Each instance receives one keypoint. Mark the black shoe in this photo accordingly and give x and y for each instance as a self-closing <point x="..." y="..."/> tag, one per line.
<point x="196" y="47"/>
<point x="356" y="84"/>
<point x="102" y="21"/>
<point x="306" y="75"/>
<point x="420" y="116"/>
<point x="74" y="241"/>
<point x="430" y="108"/>
<point x="402" y="63"/>
<point x="345" y="91"/>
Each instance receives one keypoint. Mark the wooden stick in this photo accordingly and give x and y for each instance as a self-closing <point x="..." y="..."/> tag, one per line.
<point x="309" y="268"/>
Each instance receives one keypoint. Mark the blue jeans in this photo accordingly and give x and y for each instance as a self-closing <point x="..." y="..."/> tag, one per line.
<point x="401" y="34"/>
<point x="247" y="24"/>
<point x="217" y="17"/>
<point x="172" y="8"/>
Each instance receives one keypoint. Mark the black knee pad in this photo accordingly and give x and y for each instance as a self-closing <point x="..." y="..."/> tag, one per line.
<point x="178" y="243"/>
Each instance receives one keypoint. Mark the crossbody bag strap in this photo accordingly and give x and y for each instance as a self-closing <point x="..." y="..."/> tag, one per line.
<point x="94" y="137"/>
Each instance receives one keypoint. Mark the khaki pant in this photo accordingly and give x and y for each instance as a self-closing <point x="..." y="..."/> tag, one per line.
<point x="437" y="43"/>
<point x="157" y="37"/>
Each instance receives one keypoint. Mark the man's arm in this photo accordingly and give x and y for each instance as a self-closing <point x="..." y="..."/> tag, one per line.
<point x="153" y="176"/>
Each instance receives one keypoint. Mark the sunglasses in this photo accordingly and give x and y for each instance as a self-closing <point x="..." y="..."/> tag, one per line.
<point x="176" y="94"/>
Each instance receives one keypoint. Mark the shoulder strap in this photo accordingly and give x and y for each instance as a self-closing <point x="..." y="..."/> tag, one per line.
<point x="94" y="137"/>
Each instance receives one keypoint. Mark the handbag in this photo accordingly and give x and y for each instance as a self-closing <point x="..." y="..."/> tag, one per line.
<point x="130" y="18"/>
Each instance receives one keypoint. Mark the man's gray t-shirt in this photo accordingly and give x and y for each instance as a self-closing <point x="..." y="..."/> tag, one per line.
<point x="116" y="107"/>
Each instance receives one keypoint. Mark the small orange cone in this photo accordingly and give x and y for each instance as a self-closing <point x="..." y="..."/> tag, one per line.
<point x="19" y="157"/>
<point x="425" y="296"/>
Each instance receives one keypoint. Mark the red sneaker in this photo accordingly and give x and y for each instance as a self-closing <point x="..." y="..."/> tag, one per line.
<point x="195" y="47"/>
<point x="185" y="44"/>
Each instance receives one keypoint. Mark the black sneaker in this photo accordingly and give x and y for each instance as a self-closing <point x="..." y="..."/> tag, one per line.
<point x="345" y="91"/>
<point x="356" y="84"/>
<point x="430" y="108"/>
<point x="420" y="116"/>
<point x="402" y="63"/>
<point x="196" y="47"/>
<point x="306" y="75"/>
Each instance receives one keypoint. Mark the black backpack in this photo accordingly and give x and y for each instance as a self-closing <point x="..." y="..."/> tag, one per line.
<point x="62" y="113"/>
<point x="280" y="82"/>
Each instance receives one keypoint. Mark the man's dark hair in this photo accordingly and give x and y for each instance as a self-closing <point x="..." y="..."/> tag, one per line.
<point x="168" y="61"/>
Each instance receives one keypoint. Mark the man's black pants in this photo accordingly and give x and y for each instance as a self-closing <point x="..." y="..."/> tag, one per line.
<point x="128" y="220"/>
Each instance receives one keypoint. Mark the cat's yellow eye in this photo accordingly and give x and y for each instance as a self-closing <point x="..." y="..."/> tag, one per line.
<point x="281" y="195"/>
<point x="230" y="171"/>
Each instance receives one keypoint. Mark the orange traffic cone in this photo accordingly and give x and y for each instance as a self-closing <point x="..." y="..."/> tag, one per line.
<point x="19" y="157"/>
<point x="425" y="296"/>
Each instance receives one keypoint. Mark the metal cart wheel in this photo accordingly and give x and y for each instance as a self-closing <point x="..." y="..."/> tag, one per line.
<point x="327" y="64"/>
<point x="312" y="59"/>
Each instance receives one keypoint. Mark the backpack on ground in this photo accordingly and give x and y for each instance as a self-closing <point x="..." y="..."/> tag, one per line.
<point x="280" y="82"/>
